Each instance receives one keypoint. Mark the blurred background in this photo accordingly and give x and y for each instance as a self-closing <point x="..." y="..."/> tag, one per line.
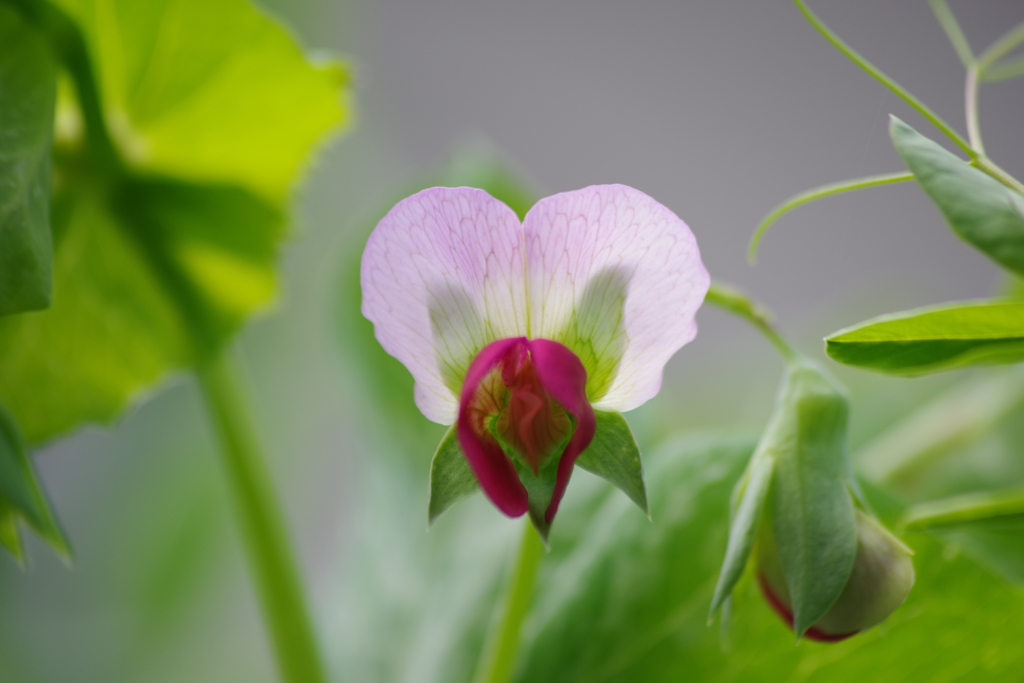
<point x="719" y="110"/>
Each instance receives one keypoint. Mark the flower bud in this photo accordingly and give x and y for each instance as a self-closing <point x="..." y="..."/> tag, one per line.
<point x="879" y="583"/>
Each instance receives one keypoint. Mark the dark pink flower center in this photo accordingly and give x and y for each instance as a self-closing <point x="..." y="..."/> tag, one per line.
<point x="528" y="399"/>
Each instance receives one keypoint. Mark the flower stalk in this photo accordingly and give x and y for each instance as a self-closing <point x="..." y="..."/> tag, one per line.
<point x="263" y="529"/>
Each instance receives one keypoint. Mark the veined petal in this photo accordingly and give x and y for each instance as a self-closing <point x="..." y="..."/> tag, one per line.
<point x="617" y="278"/>
<point x="565" y="378"/>
<point x="442" y="275"/>
<point x="493" y="469"/>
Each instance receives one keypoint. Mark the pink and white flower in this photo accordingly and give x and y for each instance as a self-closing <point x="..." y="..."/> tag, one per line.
<point x="518" y="330"/>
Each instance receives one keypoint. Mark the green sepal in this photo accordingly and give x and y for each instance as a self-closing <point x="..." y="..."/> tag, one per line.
<point x="21" y="496"/>
<point x="539" y="489"/>
<point x="451" y="478"/>
<point x="28" y="87"/>
<point x="809" y="505"/>
<point x="980" y="209"/>
<point x="933" y="339"/>
<point x="614" y="456"/>
<point x="748" y="500"/>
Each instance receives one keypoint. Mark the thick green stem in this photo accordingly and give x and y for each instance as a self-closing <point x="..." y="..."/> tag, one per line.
<point x="499" y="654"/>
<point x="263" y="529"/>
<point x="740" y="305"/>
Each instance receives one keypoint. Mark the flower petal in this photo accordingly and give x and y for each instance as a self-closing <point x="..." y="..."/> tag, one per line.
<point x="617" y="278"/>
<point x="565" y="378"/>
<point x="493" y="469"/>
<point x="442" y="275"/>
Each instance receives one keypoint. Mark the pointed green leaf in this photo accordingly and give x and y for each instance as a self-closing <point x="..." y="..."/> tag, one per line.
<point x="749" y="497"/>
<point x="933" y="339"/>
<point x="539" y="489"/>
<point x="811" y="509"/>
<point x="28" y="80"/>
<point x="613" y="455"/>
<point x="21" y="493"/>
<point x="980" y="209"/>
<point x="451" y="478"/>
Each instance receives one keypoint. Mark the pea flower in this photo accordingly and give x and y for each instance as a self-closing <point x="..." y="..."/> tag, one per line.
<point x="517" y="331"/>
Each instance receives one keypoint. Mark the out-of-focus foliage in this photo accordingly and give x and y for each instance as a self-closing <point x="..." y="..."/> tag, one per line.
<point x="933" y="339"/>
<point x="28" y="83"/>
<point x="210" y="90"/>
<point x="161" y="256"/>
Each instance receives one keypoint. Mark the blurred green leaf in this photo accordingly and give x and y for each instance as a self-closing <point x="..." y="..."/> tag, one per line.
<point x="28" y="78"/>
<point x="933" y="339"/>
<point x="979" y="208"/>
<point x="995" y="544"/>
<point x="451" y="478"/>
<point x="748" y="502"/>
<point x="21" y="496"/>
<point x="151" y="280"/>
<point x="614" y="456"/>
<point x="972" y="507"/>
<point x="210" y="90"/>
<point x="628" y="602"/>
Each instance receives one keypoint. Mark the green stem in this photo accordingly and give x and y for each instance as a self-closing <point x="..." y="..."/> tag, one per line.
<point x="953" y="31"/>
<point x="971" y="100"/>
<point x="263" y="529"/>
<point x="990" y="167"/>
<point x="1011" y="68"/>
<point x="818" y="193"/>
<point x="69" y="47"/>
<point x="999" y="49"/>
<point x="499" y="654"/>
<point x="877" y="73"/>
<point x="735" y="302"/>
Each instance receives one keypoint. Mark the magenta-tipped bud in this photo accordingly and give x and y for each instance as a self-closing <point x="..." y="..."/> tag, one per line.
<point x="879" y="583"/>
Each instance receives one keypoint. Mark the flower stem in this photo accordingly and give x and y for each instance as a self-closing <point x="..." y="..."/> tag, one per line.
<point x="499" y="653"/>
<point x="971" y="106"/>
<point x="737" y="303"/>
<point x="263" y="529"/>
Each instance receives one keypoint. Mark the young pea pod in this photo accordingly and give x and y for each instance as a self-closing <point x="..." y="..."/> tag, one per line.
<point x="794" y="503"/>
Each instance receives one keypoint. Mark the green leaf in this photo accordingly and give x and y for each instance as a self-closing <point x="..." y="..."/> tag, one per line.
<point x="451" y="478"/>
<point x="613" y="455"/>
<point x="980" y="209"/>
<point x="152" y="280"/>
<point x="210" y="90"/>
<point x="933" y="339"/>
<point x="748" y="502"/>
<point x="628" y="601"/>
<point x="21" y="496"/>
<point x="539" y="489"/>
<point x="968" y="508"/>
<point x="28" y="80"/>
<point x="810" y="508"/>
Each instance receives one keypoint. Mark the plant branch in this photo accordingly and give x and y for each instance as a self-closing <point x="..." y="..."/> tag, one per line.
<point x="953" y="31"/>
<point x="263" y="529"/>
<point x="502" y="646"/>
<point x="735" y="302"/>
<point x="877" y="73"/>
<point x="818" y="193"/>
<point x="1001" y="47"/>
<point x="971" y="107"/>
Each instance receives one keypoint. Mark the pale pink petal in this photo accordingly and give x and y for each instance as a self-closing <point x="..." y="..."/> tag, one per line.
<point x="617" y="278"/>
<point x="442" y="276"/>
